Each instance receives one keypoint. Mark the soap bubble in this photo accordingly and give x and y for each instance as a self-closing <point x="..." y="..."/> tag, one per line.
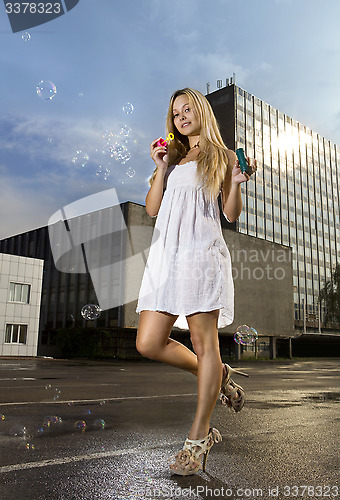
<point x="103" y="402"/>
<point x="124" y="134"/>
<point x="245" y="335"/>
<point x="48" y="387"/>
<point x="99" y="424"/>
<point x="51" y="421"/>
<point x="253" y="334"/>
<point x="108" y="136"/>
<point x="57" y="394"/>
<point x="26" y="445"/>
<point x="131" y="172"/>
<point x="2" y="417"/>
<point x="80" y="425"/>
<point x="120" y="152"/>
<point x="128" y="108"/>
<point x="103" y="172"/>
<point x="18" y="430"/>
<point x="38" y="431"/>
<point x="80" y="159"/>
<point x="46" y="90"/>
<point x="86" y="412"/>
<point x="90" y="311"/>
<point x="26" y="36"/>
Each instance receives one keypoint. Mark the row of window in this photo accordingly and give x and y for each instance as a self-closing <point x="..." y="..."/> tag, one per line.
<point x="17" y="333"/>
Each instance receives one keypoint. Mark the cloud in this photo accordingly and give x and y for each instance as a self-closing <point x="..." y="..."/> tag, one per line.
<point x="38" y="176"/>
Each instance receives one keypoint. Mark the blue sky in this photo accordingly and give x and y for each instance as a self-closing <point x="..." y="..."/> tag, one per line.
<point x="105" y="53"/>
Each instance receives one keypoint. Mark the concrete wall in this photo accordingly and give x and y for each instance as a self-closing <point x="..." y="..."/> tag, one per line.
<point x="263" y="279"/>
<point x="22" y="270"/>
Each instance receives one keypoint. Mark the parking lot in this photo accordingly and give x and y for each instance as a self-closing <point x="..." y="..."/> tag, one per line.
<point x="105" y="430"/>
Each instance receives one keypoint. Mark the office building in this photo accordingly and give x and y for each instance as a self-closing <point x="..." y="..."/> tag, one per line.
<point x="293" y="198"/>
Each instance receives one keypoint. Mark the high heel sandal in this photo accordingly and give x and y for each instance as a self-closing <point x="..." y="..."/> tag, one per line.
<point x="188" y="460"/>
<point x="232" y="394"/>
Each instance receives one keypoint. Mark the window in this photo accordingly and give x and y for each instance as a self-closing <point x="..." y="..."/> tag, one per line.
<point x="16" y="334"/>
<point x="19" y="292"/>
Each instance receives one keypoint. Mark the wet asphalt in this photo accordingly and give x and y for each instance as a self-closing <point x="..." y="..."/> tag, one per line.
<point x="106" y="429"/>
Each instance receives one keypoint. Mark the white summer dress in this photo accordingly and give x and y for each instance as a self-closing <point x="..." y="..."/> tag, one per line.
<point x="188" y="268"/>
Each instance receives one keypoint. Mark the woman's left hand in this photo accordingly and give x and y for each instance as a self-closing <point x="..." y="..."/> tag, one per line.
<point x="238" y="177"/>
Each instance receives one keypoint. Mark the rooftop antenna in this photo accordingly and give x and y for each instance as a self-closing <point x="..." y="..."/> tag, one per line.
<point x="208" y="87"/>
<point x="234" y="78"/>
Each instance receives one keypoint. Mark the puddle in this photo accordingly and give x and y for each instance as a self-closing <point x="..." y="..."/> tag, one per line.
<point x="322" y="397"/>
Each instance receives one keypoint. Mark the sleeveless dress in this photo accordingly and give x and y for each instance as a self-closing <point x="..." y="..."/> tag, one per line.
<point x="188" y="268"/>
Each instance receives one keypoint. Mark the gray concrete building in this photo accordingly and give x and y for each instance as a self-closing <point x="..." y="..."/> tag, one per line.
<point x="262" y="273"/>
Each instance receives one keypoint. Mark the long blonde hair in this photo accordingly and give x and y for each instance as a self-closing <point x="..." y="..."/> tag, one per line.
<point x="212" y="161"/>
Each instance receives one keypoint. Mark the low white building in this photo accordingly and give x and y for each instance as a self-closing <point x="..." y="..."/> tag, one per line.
<point x="20" y="296"/>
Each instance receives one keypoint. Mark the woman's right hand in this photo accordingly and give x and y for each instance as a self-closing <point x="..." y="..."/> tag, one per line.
<point x="159" y="154"/>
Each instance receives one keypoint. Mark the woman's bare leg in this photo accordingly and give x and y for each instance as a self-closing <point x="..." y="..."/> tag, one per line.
<point x="153" y="341"/>
<point x="204" y="334"/>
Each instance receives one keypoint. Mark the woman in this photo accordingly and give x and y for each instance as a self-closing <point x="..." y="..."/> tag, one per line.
<point x="197" y="288"/>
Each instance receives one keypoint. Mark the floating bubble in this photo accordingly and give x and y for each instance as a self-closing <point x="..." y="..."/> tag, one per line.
<point x="46" y="90"/>
<point x="90" y="311"/>
<point x="120" y="152"/>
<point x="86" y="412"/>
<point x="245" y="335"/>
<point x="18" y="430"/>
<point x="99" y="424"/>
<point x="131" y="172"/>
<point x="51" y="421"/>
<point x="253" y="333"/>
<point x="26" y="36"/>
<point x="80" y="159"/>
<point x="80" y="425"/>
<point x="50" y="139"/>
<point x="57" y="395"/>
<point x="27" y="446"/>
<point x="124" y="134"/>
<point x="38" y="431"/>
<point x="128" y="108"/>
<point x="103" y="402"/>
<point x="103" y="172"/>
<point x="2" y="417"/>
<point x="48" y="387"/>
<point x="108" y="136"/>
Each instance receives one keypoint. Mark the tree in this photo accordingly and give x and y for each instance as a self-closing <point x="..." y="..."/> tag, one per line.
<point x="330" y="295"/>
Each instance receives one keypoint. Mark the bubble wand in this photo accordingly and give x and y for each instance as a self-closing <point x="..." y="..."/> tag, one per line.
<point x="165" y="142"/>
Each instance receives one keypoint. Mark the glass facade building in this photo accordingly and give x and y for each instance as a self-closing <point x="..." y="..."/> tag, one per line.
<point x="293" y="198"/>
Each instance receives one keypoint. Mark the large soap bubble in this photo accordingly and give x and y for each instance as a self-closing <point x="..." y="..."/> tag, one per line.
<point x="46" y="90"/>
<point x="90" y="312"/>
<point x="128" y="108"/>
<point x="245" y="335"/>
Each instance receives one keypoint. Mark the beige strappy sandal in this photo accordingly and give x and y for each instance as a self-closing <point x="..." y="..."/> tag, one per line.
<point x="188" y="460"/>
<point x="232" y="394"/>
